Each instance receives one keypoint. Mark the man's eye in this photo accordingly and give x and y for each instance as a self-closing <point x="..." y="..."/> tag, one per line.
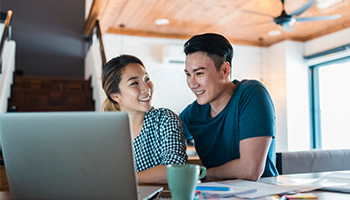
<point x="187" y="74"/>
<point x="199" y="73"/>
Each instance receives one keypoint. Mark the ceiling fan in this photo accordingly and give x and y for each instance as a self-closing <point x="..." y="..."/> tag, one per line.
<point x="286" y="21"/>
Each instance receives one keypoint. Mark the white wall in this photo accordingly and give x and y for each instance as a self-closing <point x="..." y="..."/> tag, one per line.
<point x="6" y="76"/>
<point x="275" y="80"/>
<point x="93" y="68"/>
<point x="281" y="67"/>
<point x="247" y="62"/>
<point x="171" y="89"/>
<point x="286" y="77"/>
<point x="297" y="95"/>
<point x="327" y="42"/>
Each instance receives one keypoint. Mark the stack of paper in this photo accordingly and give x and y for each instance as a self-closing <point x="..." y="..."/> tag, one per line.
<point x="222" y="190"/>
<point x="341" y="182"/>
<point x="336" y="181"/>
<point x="242" y="189"/>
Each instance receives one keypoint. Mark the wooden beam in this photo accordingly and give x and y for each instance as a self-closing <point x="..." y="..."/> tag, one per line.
<point x="327" y="31"/>
<point x="4" y="33"/>
<point x="122" y="31"/>
<point x="102" y="49"/>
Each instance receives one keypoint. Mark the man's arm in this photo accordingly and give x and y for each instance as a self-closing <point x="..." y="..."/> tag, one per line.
<point x="250" y="165"/>
<point x="155" y="174"/>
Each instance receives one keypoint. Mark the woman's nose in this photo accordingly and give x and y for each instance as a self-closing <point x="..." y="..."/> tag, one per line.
<point x="145" y="87"/>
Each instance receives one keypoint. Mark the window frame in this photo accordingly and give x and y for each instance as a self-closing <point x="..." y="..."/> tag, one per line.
<point x="316" y="131"/>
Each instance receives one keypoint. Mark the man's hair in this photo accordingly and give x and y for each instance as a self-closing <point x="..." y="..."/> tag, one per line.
<point x="217" y="47"/>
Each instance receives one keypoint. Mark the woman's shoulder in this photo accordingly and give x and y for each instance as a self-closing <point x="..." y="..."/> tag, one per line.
<point x="160" y="112"/>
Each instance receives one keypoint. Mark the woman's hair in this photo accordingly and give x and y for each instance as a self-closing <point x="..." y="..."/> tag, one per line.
<point x="111" y="77"/>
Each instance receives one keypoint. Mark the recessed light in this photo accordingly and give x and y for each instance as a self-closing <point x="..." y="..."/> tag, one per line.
<point x="274" y="33"/>
<point x="322" y="4"/>
<point x="161" y="22"/>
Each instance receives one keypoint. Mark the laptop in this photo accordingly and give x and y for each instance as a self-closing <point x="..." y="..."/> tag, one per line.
<point x="70" y="155"/>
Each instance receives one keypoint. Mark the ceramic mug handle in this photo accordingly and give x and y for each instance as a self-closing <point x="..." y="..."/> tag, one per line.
<point x="203" y="172"/>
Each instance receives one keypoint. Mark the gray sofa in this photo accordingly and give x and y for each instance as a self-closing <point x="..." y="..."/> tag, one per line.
<point x="312" y="161"/>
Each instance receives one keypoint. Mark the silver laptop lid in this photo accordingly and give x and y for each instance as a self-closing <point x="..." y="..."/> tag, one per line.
<point x="68" y="155"/>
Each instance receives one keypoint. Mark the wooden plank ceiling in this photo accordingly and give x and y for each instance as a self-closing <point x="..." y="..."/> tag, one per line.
<point x="227" y="17"/>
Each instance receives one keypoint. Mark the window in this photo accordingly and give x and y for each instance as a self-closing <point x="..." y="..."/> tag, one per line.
<point x="331" y="104"/>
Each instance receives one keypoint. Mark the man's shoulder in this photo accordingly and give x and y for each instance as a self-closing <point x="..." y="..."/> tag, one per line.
<point x="192" y="107"/>
<point x="249" y="86"/>
<point x="245" y="83"/>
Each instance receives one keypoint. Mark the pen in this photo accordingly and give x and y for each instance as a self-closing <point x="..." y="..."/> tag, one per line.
<point x="212" y="188"/>
<point x="299" y="196"/>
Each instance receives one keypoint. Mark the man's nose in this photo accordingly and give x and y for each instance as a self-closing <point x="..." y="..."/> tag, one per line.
<point x="192" y="83"/>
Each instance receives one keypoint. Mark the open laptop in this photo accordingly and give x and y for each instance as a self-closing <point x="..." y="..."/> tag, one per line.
<point x="70" y="155"/>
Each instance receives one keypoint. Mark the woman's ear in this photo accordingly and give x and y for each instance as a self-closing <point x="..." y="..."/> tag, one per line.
<point x="115" y="97"/>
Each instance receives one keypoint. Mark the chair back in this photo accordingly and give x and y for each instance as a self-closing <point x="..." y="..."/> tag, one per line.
<point x="312" y="161"/>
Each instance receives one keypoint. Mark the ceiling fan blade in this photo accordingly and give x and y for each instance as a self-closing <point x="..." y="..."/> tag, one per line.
<point x="303" y="8"/>
<point x="257" y="13"/>
<point x="309" y="19"/>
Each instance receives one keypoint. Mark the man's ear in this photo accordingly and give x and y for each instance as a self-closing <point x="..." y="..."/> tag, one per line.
<point x="115" y="97"/>
<point x="226" y="70"/>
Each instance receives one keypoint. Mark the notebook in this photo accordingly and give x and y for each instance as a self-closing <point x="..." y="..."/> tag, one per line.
<point x="70" y="155"/>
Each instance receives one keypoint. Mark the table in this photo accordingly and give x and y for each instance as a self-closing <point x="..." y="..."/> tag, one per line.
<point x="322" y="195"/>
<point x="282" y="179"/>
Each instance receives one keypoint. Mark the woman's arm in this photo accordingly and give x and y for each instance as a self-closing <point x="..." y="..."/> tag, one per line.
<point x="172" y="146"/>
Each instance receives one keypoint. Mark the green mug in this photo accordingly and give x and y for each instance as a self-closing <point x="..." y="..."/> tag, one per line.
<point x="183" y="179"/>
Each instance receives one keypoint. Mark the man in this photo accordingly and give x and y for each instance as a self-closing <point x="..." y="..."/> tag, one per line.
<point x="232" y="123"/>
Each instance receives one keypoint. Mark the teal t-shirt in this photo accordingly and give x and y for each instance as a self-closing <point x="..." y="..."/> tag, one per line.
<point x="249" y="113"/>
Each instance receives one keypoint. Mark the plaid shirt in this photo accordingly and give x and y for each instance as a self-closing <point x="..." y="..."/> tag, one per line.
<point x="161" y="140"/>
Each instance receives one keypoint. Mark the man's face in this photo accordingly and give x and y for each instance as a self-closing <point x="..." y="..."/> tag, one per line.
<point x="203" y="78"/>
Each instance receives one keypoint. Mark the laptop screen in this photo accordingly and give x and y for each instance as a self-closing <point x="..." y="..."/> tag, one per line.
<point x="68" y="155"/>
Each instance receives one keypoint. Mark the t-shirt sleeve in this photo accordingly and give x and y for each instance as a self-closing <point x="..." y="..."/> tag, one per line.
<point x="185" y="124"/>
<point x="174" y="145"/>
<point x="256" y="112"/>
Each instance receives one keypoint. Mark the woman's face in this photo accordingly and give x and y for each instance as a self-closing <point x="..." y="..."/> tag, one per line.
<point x="136" y="89"/>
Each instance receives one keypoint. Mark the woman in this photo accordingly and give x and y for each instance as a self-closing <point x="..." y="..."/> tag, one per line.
<point x="158" y="133"/>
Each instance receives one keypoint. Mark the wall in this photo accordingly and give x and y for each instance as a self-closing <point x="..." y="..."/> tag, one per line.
<point x="287" y="78"/>
<point x="171" y="89"/>
<point x="281" y="67"/>
<point x="275" y="80"/>
<point x="93" y="69"/>
<point x="327" y="42"/>
<point x="268" y="64"/>
<point x="297" y="95"/>
<point x="49" y="36"/>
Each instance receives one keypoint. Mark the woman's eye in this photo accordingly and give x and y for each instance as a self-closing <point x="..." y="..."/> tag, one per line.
<point x="147" y="79"/>
<point x="134" y="83"/>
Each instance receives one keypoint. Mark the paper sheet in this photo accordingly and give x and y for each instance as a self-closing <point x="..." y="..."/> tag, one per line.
<point x="255" y="189"/>
<point x="233" y="190"/>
